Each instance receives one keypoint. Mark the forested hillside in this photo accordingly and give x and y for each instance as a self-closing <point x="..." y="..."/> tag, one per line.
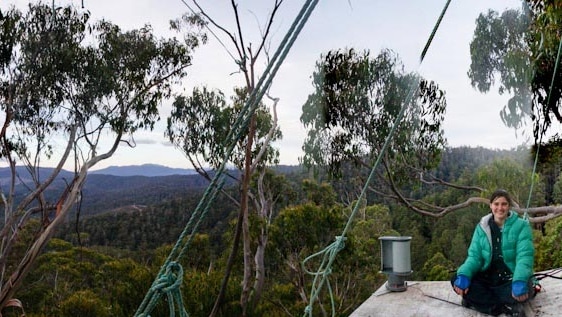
<point x="154" y="209"/>
<point x="111" y="256"/>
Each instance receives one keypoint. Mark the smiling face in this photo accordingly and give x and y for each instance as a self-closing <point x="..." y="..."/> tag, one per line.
<point x="500" y="209"/>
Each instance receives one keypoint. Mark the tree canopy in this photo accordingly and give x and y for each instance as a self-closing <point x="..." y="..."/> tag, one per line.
<point x="518" y="50"/>
<point x="353" y="109"/>
<point x="88" y="85"/>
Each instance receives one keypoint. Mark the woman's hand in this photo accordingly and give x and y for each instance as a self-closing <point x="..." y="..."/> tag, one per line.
<point x="460" y="291"/>
<point x="460" y="286"/>
<point x="521" y="298"/>
<point x="519" y="291"/>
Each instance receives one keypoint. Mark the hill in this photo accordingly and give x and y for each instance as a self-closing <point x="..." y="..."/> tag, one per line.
<point x="149" y="170"/>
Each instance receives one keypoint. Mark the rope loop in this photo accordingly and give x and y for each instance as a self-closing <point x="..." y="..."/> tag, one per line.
<point x="171" y="280"/>
<point x="169" y="283"/>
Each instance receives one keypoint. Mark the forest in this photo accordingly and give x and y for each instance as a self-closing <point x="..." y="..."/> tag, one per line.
<point x="247" y="237"/>
<point x="104" y="264"/>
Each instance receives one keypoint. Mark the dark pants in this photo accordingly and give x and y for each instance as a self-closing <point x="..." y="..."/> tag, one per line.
<point x="490" y="299"/>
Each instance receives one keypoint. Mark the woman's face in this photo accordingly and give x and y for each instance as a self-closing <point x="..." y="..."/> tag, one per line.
<point x="500" y="209"/>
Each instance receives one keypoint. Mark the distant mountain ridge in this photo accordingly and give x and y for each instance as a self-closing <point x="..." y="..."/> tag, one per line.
<point x="149" y="170"/>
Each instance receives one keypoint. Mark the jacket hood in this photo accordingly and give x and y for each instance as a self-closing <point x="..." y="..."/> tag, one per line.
<point x="484" y="221"/>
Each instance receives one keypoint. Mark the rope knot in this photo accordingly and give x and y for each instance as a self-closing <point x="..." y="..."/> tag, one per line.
<point x="340" y="242"/>
<point x="171" y="280"/>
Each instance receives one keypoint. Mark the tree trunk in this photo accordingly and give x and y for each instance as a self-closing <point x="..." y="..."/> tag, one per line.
<point x="248" y="261"/>
<point x="28" y="260"/>
<point x="259" y="262"/>
<point x="229" y="264"/>
<point x="264" y="205"/>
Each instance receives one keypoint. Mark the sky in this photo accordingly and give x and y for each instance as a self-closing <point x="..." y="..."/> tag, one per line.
<point x="472" y="118"/>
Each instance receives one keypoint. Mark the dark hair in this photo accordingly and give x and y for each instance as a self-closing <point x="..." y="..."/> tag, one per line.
<point x="501" y="193"/>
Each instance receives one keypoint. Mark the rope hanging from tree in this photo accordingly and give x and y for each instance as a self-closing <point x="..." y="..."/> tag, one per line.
<point x="526" y="214"/>
<point x="168" y="280"/>
<point x="330" y="252"/>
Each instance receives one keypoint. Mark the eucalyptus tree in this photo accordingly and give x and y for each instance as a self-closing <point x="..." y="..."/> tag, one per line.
<point x="351" y="113"/>
<point x="86" y="85"/>
<point x="517" y="51"/>
<point x="353" y="109"/>
<point x="301" y="230"/>
<point x="549" y="162"/>
<point x="199" y="125"/>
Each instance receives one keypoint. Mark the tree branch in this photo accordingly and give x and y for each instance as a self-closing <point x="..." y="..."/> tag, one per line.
<point x="437" y="181"/>
<point x="269" y="135"/>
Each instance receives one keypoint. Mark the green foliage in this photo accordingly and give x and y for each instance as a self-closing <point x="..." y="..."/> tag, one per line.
<point x="207" y="119"/>
<point x="517" y="50"/>
<point x="497" y="39"/>
<point x="148" y="228"/>
<point x="549" y="160"/>
<point x="200" y="290"/>
<point x="352" y="110"/>
<point x="119" y="278"/>
<point x="513" y="177"/>
<point x="302" y="230"/>
<point x="52" y="64"/>
<point x="370" y="224"/>
<point x="280" y="299"/>
<point x="68" y="79"/>
<point x="557" y="190"/>
<point x="549" y="247"/>
<point x="319" y="194"/>
<point x="84" y="303"/>
<point x="438" y="268"/>
<point x="293" y="229"/>
<point x="72" y="281"/>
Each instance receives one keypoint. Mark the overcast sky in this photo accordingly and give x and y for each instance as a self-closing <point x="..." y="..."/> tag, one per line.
<point x="403" y="26"/>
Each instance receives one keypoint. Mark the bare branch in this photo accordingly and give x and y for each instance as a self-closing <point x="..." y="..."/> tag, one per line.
<point x="267" y="30"/>
<point x="437" y="181"/>
<point x="441" y="211"/>
<point x="269" y="135"/>
<point x="203" y="172"/>
<point x="543" y="219"/>
<point x="536" y="214"/>
<point x="239" y="50"/>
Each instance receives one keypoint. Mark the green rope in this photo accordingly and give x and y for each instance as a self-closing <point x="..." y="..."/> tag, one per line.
<point x="274" y="65"/>
<point x="526" y="215"/>
<point x="330" y="252"/>
<point x="234" y="136"/>
<point x="424" y="51"/>
<point x="169" y="284"/>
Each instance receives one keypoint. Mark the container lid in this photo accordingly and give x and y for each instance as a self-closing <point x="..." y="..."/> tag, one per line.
<point x="395" y="238"/>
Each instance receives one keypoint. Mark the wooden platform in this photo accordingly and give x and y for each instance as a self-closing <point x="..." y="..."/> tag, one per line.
<point x="433" y="299"/>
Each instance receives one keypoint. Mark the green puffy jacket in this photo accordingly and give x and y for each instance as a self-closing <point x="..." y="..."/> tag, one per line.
<point x="517" y="248"/>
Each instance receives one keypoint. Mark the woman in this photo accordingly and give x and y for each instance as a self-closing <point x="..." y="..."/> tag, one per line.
<point x="496" y="276"/>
